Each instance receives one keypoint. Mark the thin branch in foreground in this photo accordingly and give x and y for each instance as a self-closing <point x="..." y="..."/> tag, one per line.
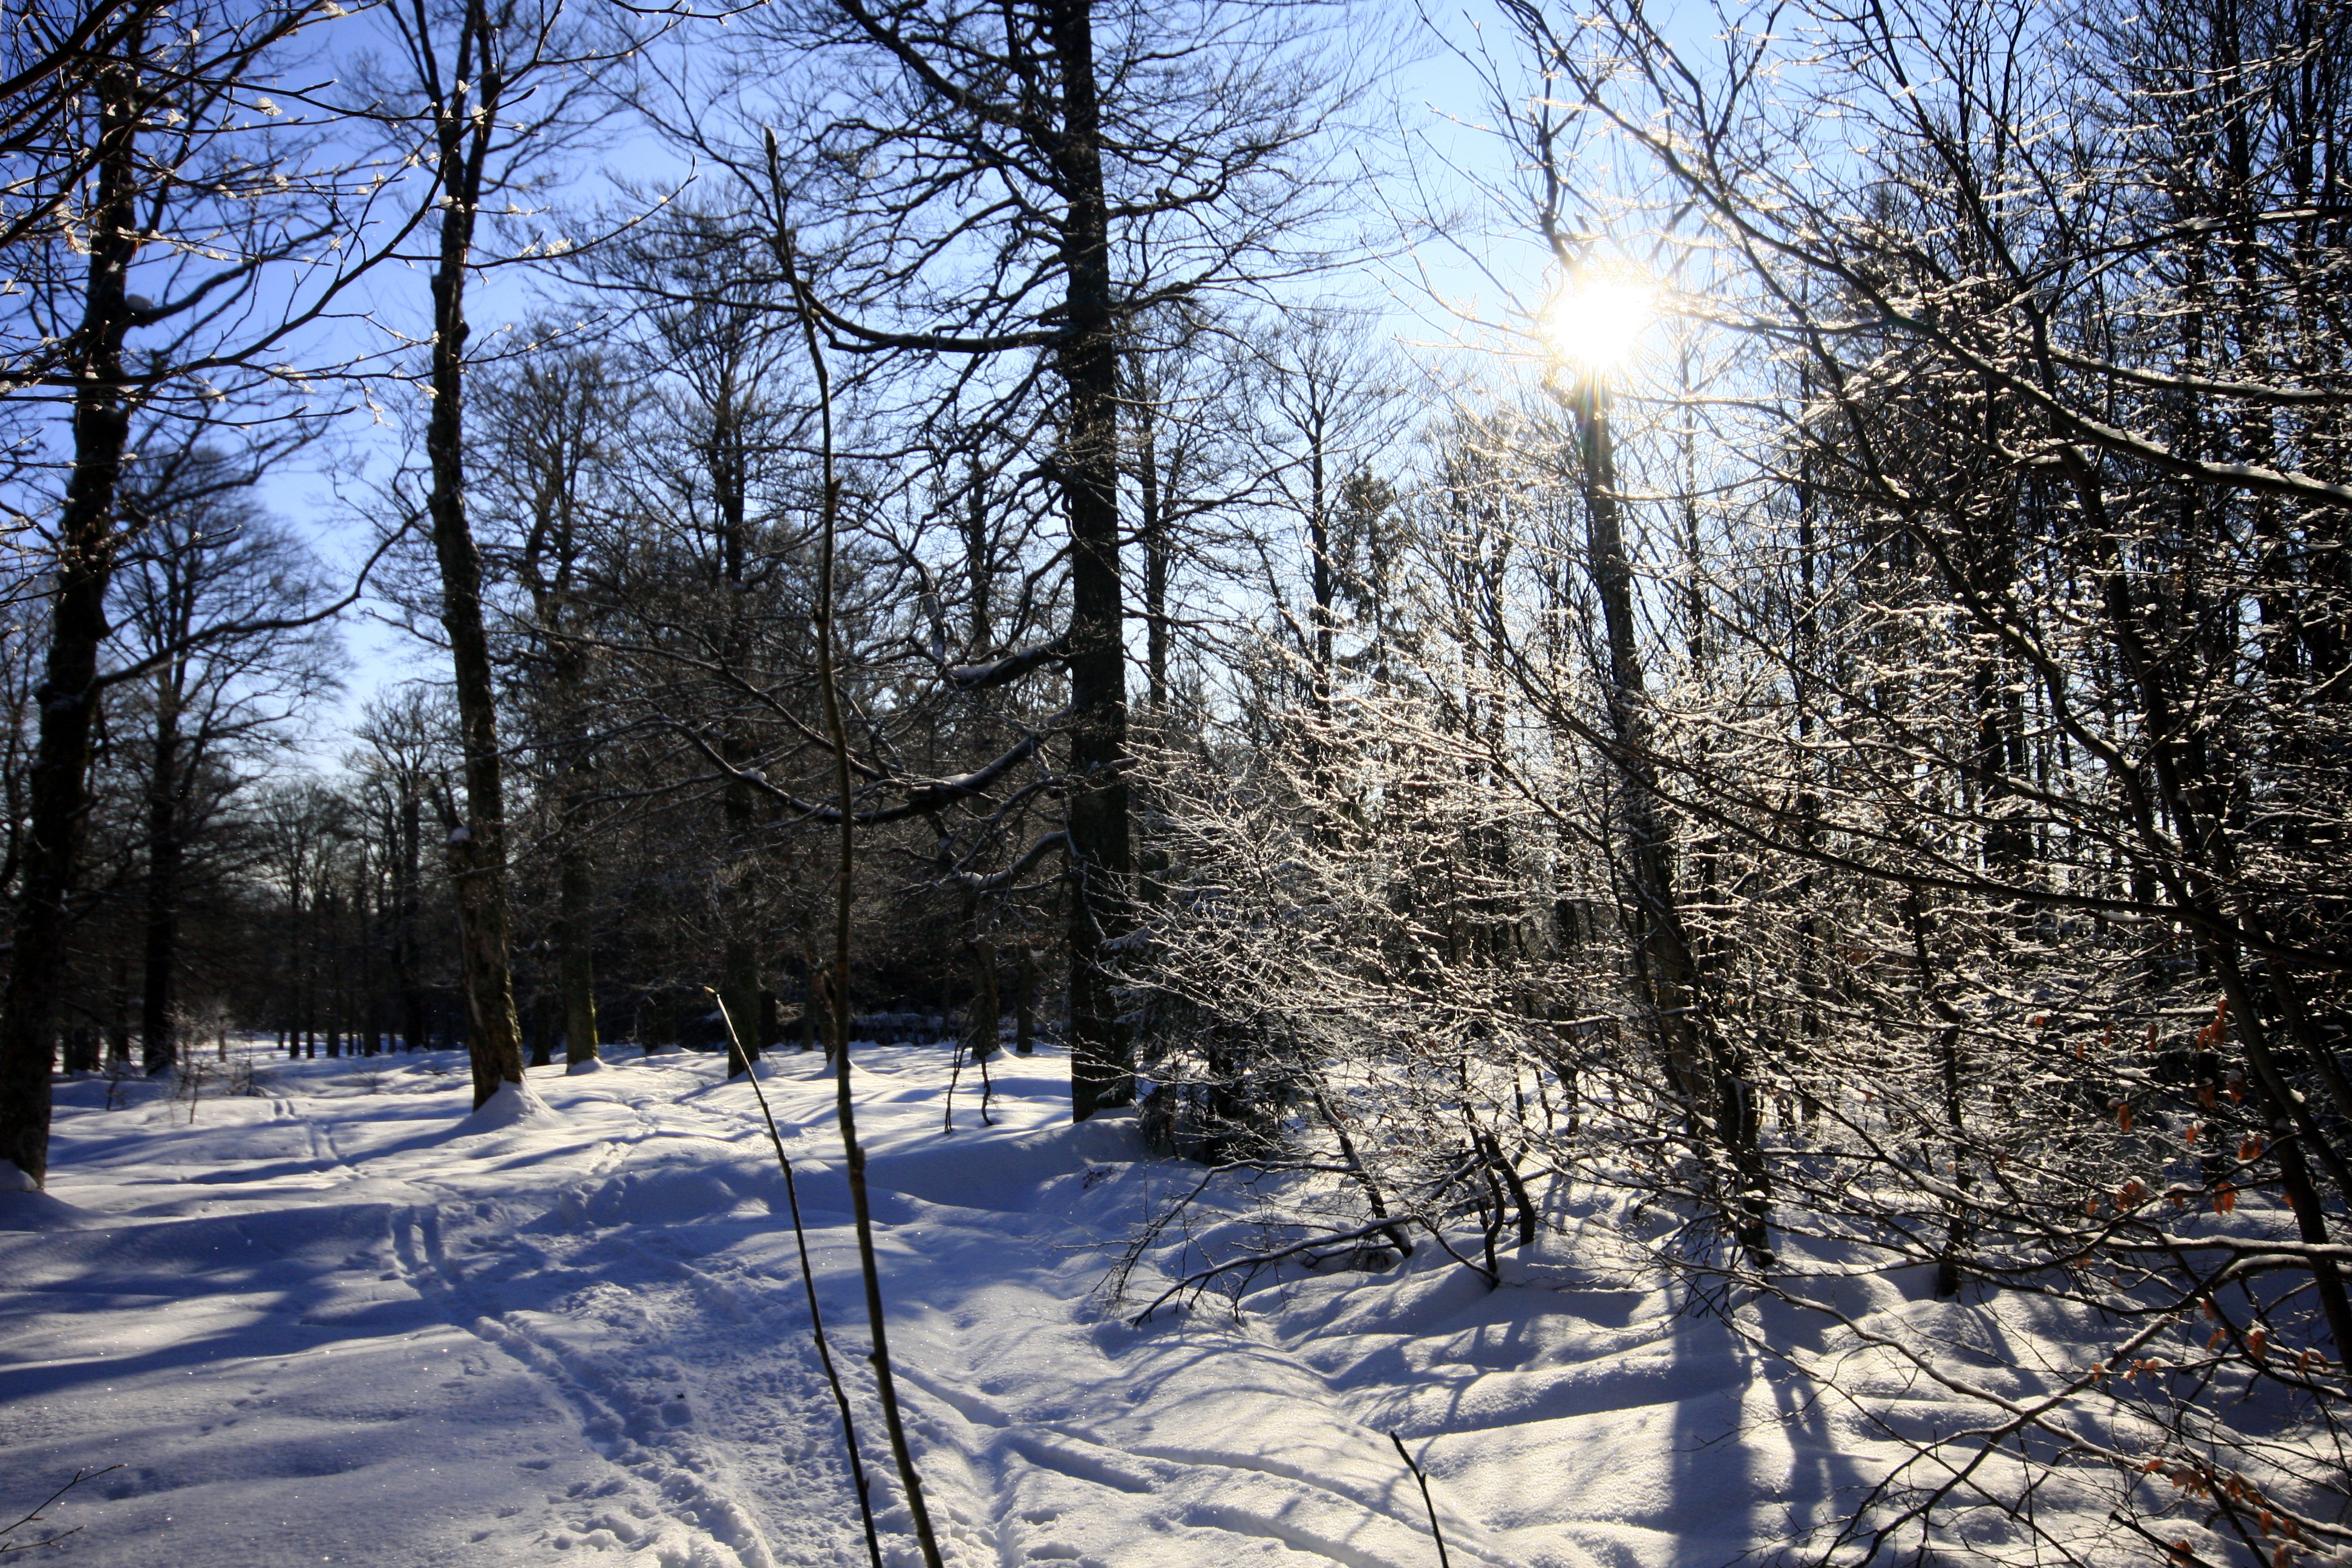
<point x="838" y="733"/>
<point x="1425" y="1500"/>
<point x="10" y="1547"/>
<point x="808" y="1283"/>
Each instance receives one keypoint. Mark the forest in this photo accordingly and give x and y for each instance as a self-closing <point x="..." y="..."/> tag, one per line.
<point x="1694" y="651"/>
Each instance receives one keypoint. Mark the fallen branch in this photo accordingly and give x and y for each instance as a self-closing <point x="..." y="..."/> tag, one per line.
<point x="1254" y="1260"/>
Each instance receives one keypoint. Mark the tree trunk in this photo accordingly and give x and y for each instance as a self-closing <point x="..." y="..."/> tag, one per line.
<point x="976" y="561"/>
<point x="409" y="945"/>
<point x="118" y="1019"/>
<point x="987" y="1013"/>
<point x="477" y="849"/>
<point x="575" y="972"/>
<point x="1699" y="1068"/>
<point x="66" y="699"/>
<point x="1025" y="1002"/>
<point x="1102" y="1069"/>
<point x="160" y="1046"/>
<point x="1323" y="580"/>
<point x="738" y="964"/>
<point x="1151" y="532"/>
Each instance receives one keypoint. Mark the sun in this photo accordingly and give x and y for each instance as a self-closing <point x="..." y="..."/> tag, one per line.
<point x="1596" y="319"/>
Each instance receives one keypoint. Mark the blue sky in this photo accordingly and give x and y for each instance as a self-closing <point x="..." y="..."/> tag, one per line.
<point x="1437" y="155"/>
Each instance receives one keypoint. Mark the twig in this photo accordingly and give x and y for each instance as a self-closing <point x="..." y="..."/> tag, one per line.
<point x="1255" y="1260"/>
<point x="808" y="1283"/>
<point x="1425" y="1501"/>
<point x="837" y="732"/>
<point x="7" y="1547"/>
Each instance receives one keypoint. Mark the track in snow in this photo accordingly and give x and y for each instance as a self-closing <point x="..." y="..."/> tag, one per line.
<point x="332" y="1324"/>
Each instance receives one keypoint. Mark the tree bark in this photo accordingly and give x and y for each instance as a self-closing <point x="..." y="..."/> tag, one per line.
<point x="738" y="964"/>
<point x="1700" y="1068"/>
<point x="1025" y="1002"/>
<point x="575" y="936"/>
<point x="987" y="1021"/>
<point x="164" y="856"/>
<point x="846" y="847"/>
<point x="407" y="946"/>
<point x="1151" y="532"/>
<point x="1323" y="580"/>
<point x="477" y="849"/>
<point x="67" y="696"/>
<point x="1102" y="1068"/>
<point x="977" y="565"/>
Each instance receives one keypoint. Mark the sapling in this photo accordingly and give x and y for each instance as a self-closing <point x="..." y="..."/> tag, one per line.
<point x="808" y="1283"/>
<point x="837" y="1015"/>
<point x="1425" y="1500"/>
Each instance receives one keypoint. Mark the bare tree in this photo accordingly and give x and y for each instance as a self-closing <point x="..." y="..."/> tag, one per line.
<point x="491" y="90"/>
<point x="1131" y="162"/>
<point x="164" y="200"/>
<point x="409" y="754"/>
<point x="548" y="430"/>
<point x="1919" y="648"/>
<point x="205" y="572"/>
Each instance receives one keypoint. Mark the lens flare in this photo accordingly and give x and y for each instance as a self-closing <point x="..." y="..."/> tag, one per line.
<point x="1596" y="321"/>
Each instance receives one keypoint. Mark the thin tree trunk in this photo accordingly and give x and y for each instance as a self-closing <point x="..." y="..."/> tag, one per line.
<point x="1024" y="1003"/>
<point x="160" y="1049"/>
<point x="117" y="1016"/>
<point x="1151" y="532"/>
<point x="409" y="945"/>
<point x="738" y="964"/>
<point x="1324" y="581"/>
<point x="852" y="1153"/>
<point x="575" y="957"/>
<point x="987" y="1021"/>
<point x="728" y="465"/>
<point x="1711" y="1085"/>
<point x="976" y="562"/>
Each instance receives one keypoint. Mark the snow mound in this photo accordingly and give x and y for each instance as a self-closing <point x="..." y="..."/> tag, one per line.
<point x="514" y="1105"/>
<point x="1006" y="1172"/>
<point x="676" y="1195"/>
<point x="580" y="1070"/>
<point x="27" y="1208"/>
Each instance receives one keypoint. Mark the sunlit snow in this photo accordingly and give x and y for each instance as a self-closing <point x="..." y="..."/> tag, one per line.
<point x="343" y="1321"/>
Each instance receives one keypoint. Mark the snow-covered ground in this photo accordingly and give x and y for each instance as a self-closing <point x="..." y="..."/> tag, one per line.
<point x="337" y="1321"/>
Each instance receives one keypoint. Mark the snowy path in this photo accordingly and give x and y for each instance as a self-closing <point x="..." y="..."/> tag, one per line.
<point x="334" y="1325"/>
